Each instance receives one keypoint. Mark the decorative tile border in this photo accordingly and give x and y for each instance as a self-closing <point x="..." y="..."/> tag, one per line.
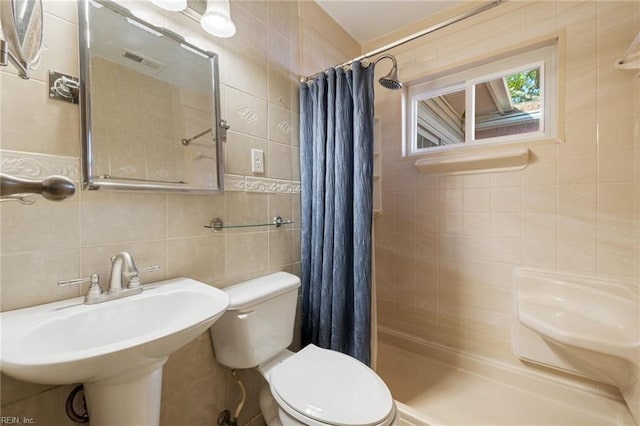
<point x="254" y="184"/>
<point x="288" y="187"/>
<point x="31" y="165"/>
<point x="260" y="185"/>
<point x="233" y="183"/>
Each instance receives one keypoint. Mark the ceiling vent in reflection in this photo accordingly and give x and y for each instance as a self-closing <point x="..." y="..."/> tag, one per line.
<point x="142" y="60"/>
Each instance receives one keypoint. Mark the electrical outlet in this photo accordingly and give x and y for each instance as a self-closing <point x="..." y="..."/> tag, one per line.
<point x="257" y="161"/>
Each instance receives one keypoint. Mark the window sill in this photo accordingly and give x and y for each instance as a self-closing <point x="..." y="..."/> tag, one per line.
<point x="498" y="159"/>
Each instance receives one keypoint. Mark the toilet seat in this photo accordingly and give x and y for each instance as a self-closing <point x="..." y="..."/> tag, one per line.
<point x="323" y="387"/>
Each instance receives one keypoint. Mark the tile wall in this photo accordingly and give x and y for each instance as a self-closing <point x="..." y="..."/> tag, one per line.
<point x="446" y="246"/>
<point x="47" y="242"/>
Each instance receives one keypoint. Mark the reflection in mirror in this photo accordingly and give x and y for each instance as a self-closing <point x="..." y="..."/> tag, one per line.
<point x="22" y="28"/>
<point x="147" y="92"/>
<point x="441" y="120"/>
<point x="509" y="105"/>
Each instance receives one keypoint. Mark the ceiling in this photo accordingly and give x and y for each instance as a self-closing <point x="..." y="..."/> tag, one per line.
<point x="367" y="20"/>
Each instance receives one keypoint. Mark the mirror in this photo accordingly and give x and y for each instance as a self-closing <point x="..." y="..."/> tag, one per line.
<point x="150" y="105"/>
<point x="22" y="29"/>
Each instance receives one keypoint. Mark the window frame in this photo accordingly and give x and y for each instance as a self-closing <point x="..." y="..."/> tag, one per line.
<point x="465" y="78"/>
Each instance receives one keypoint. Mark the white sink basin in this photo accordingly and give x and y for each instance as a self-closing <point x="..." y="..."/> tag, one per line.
<point x="109" y="343"/>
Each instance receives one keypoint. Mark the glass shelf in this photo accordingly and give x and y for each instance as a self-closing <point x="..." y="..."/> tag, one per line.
<point x="218" y="225"/>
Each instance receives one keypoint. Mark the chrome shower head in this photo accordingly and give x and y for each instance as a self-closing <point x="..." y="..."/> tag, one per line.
<point x="391" y="80"/>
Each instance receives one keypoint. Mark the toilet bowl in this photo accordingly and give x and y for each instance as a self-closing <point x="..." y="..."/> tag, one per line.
<point x="315" y="386"/>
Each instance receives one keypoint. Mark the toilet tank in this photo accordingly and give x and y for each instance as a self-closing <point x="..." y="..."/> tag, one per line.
<point x="259" y="321"/>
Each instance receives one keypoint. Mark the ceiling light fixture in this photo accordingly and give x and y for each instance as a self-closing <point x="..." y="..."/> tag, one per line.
<point x="173" y="5"/>
<point x="217" y="19"/>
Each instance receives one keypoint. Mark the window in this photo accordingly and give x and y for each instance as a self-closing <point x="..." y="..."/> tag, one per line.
<point x="509" y="99"/>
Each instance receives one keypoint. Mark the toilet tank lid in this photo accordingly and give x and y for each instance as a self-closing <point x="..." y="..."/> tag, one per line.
<point x="249" y="293"/>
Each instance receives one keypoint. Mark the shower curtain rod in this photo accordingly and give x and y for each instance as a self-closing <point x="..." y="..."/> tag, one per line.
<point x="416" y="35"/>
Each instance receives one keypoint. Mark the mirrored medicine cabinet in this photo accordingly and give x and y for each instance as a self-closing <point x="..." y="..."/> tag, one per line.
<point x="150" y="105"/>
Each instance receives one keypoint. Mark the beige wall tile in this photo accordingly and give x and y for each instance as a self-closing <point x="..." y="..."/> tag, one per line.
<point x="539" y="226"/>
<point x="617" y="166"/>
<point x="540" y="199"/>
<point x="577" y="169"/>
<point x="188" y="214"/>
<point x="238" y="153"/>
<point x="280" y="161"/>
<point x="115" y="217"/>
<point x="577" y="198"/>
<point x="506" y="225"/>
<point x="506" y="199"/>
<point x="618" y="134"/>
<point x="477" y="224"/>
<point x="246" y="113"/>
<point x="26" y="128"/>
<point x="280" y="91"/>
<point x="201" y="259"/>
<point x="539" y="253"/>
<point x="31" y="278"/>
<point x="281" y="248"/>
<point x="487" y="322"/>
<point x="541" y="172"/>
<point x="280" y="125"/>
<point x="618" y="228"/>
<point x="246" y="255"/>
<point x="254" y="78"/>
<point x="45" y="225"/>
<point x="616" y="197"/>
<point x="477" y="200"/>
<point x="246" y="208"/>
<point x="451" y="201"/>
<point x="577" y="227"/>
<point x="577" y="257"/>
<point x="507" y="250"/>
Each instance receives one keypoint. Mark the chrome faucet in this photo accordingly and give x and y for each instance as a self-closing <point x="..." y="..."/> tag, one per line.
<point x="124" y="280"/>
<point x="118" y="273"/>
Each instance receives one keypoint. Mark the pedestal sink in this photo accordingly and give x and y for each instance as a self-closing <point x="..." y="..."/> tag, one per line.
<point x="116" y="348"/>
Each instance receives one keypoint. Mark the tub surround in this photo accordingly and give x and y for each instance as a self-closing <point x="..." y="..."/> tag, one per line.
<point x="439" y="386"/>
<point x="447" y="246"/>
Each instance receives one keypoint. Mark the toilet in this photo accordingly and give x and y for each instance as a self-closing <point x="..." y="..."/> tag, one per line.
<point x="314" y="386"/>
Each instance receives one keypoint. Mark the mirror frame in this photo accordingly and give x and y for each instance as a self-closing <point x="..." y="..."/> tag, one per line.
<point x="92" y="182"/>
<point x="25" y="61"/>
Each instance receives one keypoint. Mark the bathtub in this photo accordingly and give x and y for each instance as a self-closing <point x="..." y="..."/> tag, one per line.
<point x="433" y="385"/>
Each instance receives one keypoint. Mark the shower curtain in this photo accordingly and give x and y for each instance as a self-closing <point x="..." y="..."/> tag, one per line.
<point x="336" y="161"/>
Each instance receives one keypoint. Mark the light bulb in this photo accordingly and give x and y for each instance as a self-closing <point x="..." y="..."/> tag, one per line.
<point x="172" y="5"/>
<point x="217" y="19"/>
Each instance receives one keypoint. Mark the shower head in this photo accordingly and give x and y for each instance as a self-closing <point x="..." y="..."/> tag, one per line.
<point x="391" y="80"/>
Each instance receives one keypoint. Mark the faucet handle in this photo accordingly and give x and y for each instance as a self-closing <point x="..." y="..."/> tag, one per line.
<point x="134" y="278"/>
<point x="93" y="279"/>
<point x="94" y="290"/>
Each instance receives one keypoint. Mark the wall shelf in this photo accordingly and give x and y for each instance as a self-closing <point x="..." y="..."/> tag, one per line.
<point x="218" y="225"/>
<point x="496" y="160"/>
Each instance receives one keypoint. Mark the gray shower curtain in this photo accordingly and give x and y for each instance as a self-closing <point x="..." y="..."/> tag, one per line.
<point x="336" y="161"/>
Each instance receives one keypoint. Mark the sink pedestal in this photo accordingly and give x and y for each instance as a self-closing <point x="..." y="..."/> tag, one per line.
<point x="133" y="402"/>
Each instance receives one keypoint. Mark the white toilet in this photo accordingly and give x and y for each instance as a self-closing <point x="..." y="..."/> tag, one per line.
<point x="314" y="386"/>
